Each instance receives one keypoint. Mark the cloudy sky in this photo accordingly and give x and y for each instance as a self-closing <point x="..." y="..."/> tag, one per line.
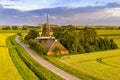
<point x="77" y="12"/>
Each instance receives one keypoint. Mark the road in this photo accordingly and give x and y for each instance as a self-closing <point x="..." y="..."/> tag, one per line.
<point x="46" y="64"/>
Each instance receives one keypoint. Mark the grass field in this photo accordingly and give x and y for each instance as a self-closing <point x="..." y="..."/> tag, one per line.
<point x="103" y="65"/>
<point x="7" y="69"/>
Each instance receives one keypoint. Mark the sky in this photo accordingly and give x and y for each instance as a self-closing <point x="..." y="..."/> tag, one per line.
<point x="61" y="12"/>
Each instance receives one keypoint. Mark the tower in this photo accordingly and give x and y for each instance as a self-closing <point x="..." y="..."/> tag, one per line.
<point x="46" y="28"/>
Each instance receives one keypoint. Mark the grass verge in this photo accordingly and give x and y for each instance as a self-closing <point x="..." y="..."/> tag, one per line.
<point x="25" y="72"/>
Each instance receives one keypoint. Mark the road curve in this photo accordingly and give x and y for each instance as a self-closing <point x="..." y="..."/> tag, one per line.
<point x="46" y="64"/>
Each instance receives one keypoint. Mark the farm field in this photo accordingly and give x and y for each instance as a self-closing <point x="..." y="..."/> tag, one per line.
<point x="103" y="65"/>
<point x="108" y="32"/>
<point x="7" y="69"/>
<point x="3" y="37"/>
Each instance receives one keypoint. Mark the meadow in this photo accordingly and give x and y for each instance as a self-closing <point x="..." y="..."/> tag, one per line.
<point x="102" y="65"/>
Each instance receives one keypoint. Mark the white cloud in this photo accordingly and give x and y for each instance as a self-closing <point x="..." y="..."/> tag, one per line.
<point x="115" y="11"/>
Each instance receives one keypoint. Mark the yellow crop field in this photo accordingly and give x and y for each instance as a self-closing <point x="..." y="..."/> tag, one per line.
<point x="103" y="65"/>
<point x="3" y="37"/>
<point x="7" y="69"/>
<point x="106" y="32"/>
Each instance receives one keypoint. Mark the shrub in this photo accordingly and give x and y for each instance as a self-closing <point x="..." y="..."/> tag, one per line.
<point x="14" y="27"/>
<point x="19" y="34"/>
<point x="37" y="46"/>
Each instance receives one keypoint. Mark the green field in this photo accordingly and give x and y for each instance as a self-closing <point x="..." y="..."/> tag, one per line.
<point x="103" y="65"/>
<point x="7" y="69"/>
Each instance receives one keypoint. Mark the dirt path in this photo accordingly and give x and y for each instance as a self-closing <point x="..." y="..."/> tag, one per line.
<point x="46" y="64"/>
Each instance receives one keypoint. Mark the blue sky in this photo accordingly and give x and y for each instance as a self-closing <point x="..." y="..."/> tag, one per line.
<point x="77" y="12"/>
<point x="40" y="4"/>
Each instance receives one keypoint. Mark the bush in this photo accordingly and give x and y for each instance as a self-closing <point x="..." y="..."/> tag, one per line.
<point x="14" y="27"/>
<point x="6" y="28"/>
<point x="19" y="34"/>
<point x="37" y="46"/>
<point x="113" y="45"/>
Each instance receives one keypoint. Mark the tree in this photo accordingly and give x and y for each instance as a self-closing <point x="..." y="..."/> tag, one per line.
<point x="101" y="44"/>
<point x="58" y="32"/>
<point x="83" y="40"/>
<point x="37" y="46"/>
<point x="6" y="28"/>
<point x="80" y="49"/>
<point x="107" y="43"/>
<point x="89" y="34"/>
<point x="14" y="27"/>
<point x="113" y="45"/>
<point x="19" y="34"/>
<point x="31" y="35"/>
<point x="24" y="27"/>
<point x="88" y="48"/>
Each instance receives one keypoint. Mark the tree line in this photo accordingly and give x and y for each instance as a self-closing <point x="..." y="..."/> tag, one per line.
<point x="83" y="41"/>
<point x="13" y="28"/>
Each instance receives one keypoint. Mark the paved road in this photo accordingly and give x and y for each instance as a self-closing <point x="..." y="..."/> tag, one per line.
<point x="46" y="64"/>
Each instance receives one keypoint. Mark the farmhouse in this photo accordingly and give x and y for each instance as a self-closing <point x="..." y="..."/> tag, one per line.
<point x="52" y="45"/>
